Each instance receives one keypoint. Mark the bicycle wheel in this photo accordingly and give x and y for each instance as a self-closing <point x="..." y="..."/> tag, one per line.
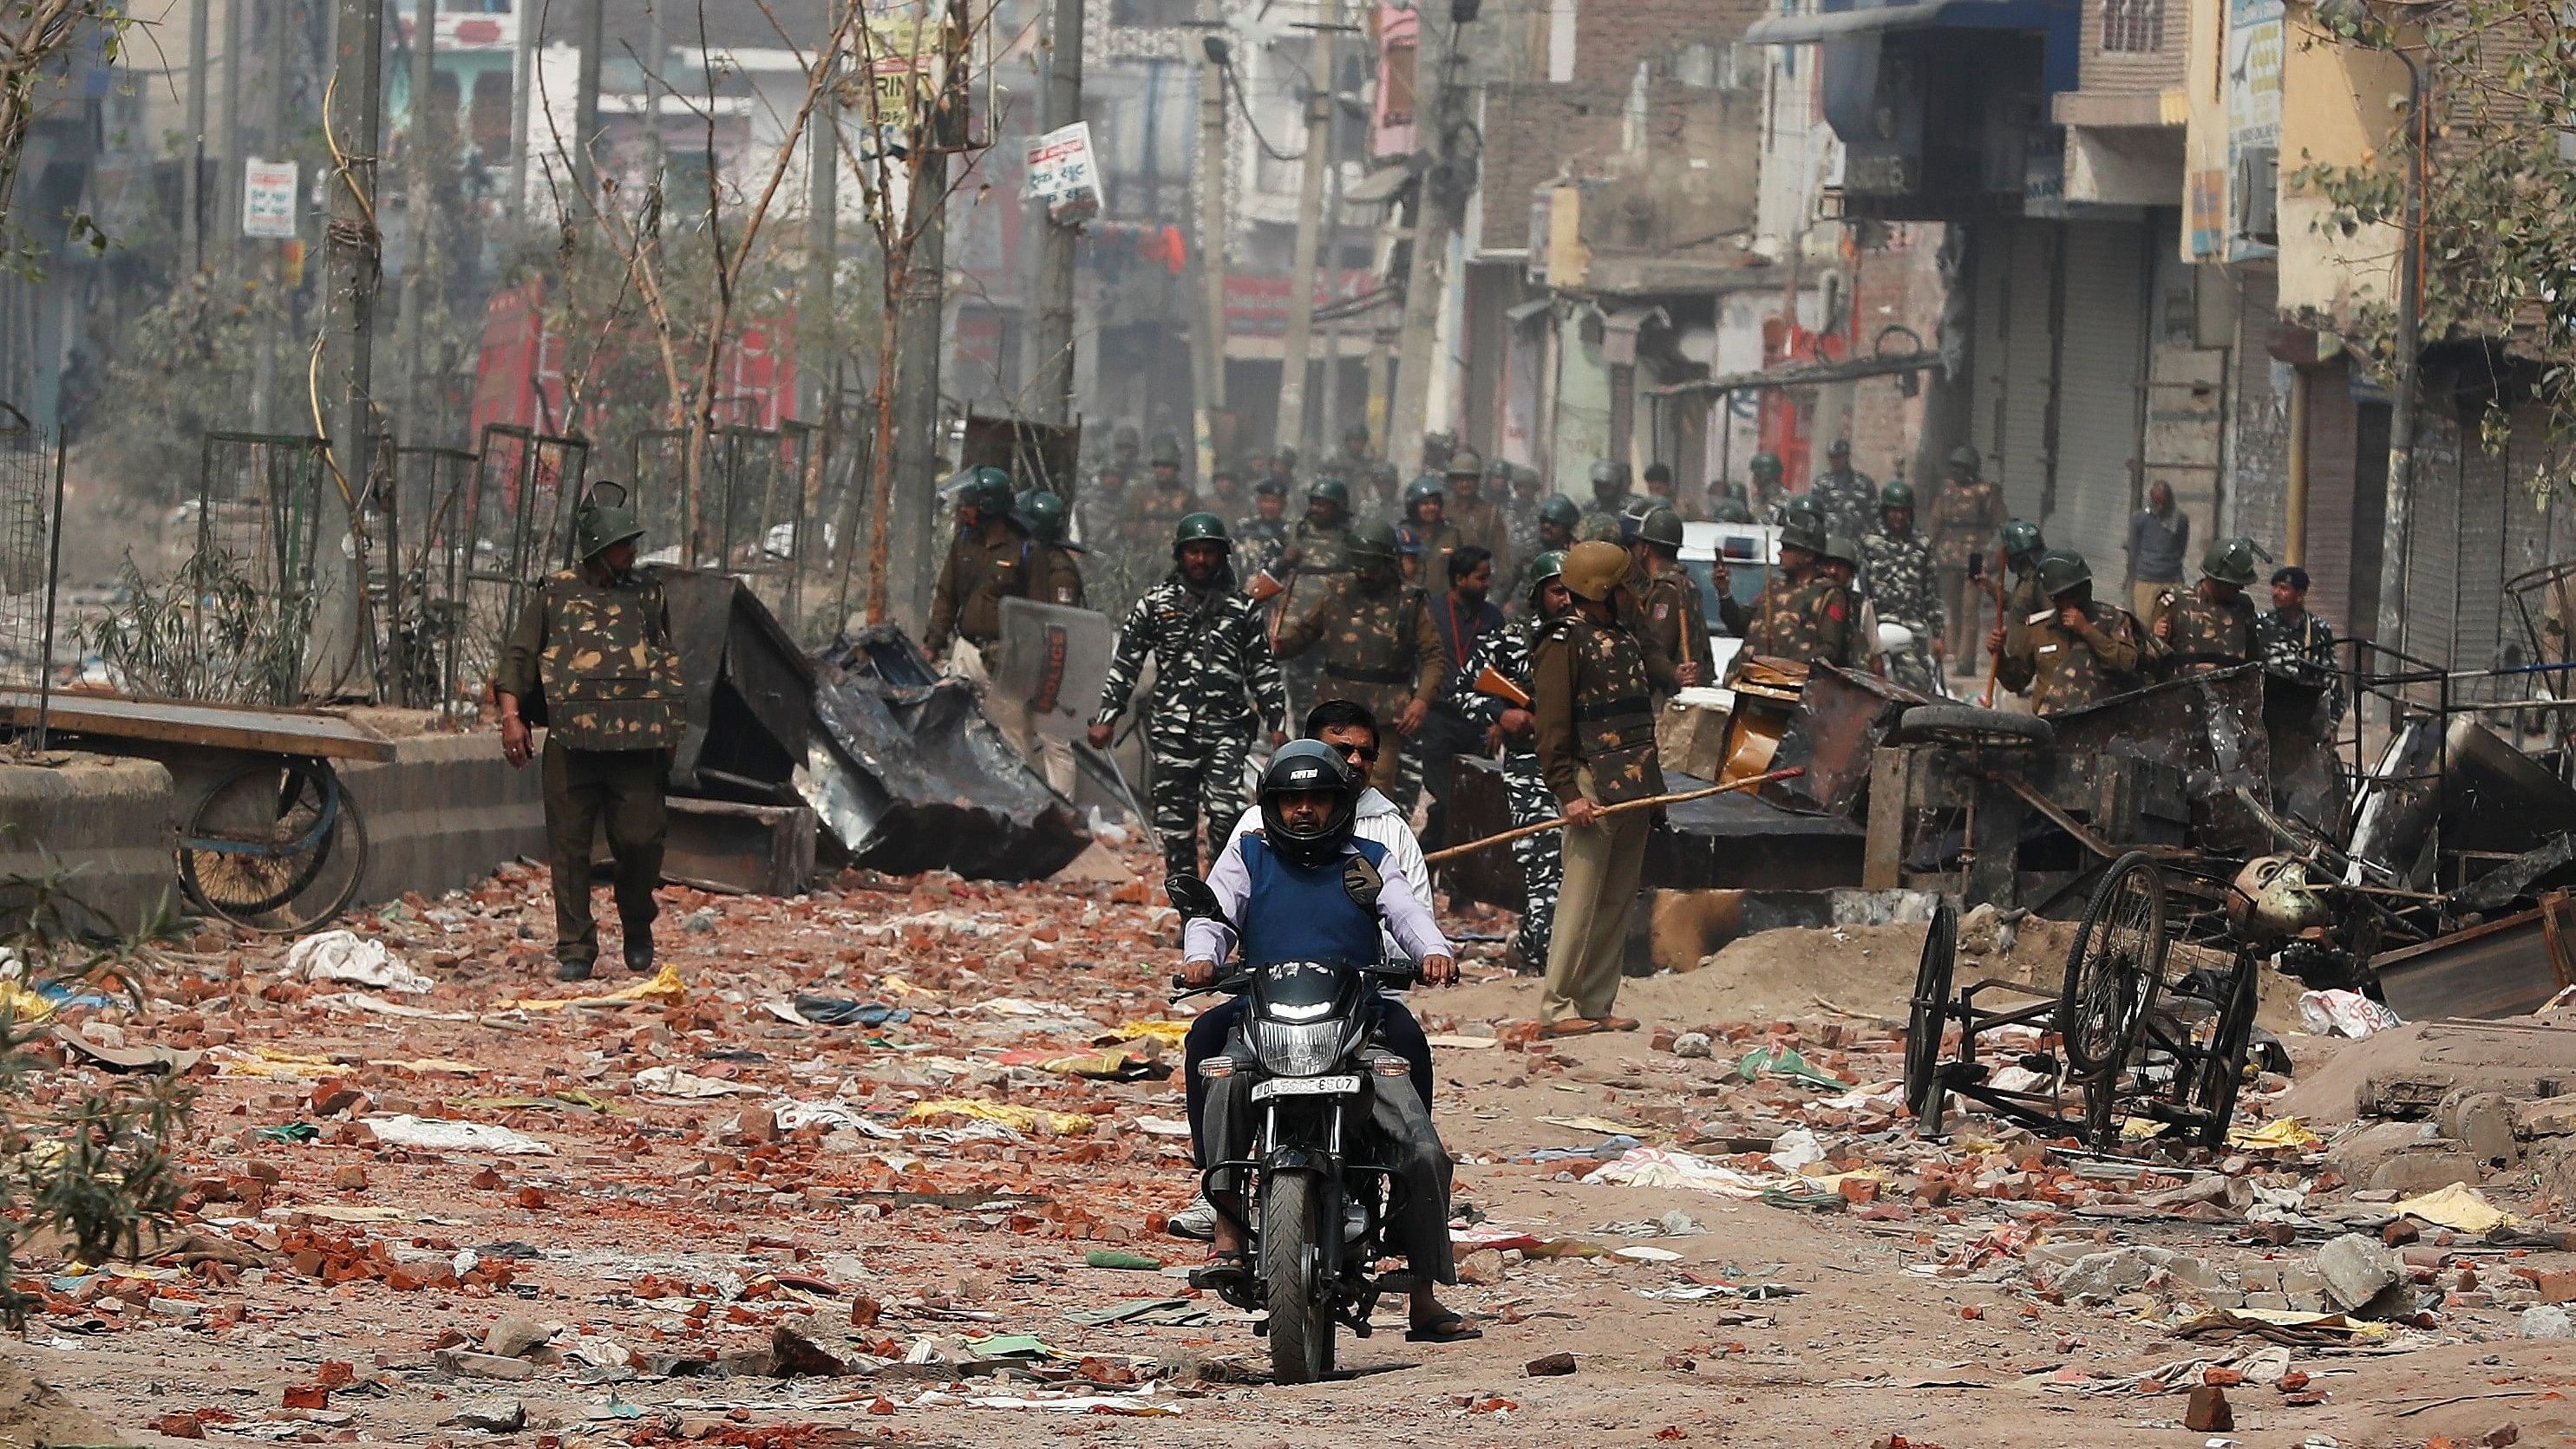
<point x="2113" y="966"/>
<point x="1931" y="1011"/>
<point x="258" y="841"/>
<point x="2217" y="1077"/>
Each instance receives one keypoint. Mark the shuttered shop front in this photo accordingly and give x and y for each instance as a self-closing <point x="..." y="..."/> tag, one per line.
<point x="2102" y="351"/>
<point x="2016" y="262"/>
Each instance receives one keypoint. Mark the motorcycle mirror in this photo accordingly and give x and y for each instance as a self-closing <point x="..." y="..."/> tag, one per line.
<point x="1191" y="897"/>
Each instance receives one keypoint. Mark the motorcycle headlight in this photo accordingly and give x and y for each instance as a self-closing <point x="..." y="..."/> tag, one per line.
<point x="1288" y="1050"/>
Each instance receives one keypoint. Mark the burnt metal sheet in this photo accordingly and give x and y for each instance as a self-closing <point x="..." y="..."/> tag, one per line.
<point x="2505" y="967"/>
<point x="2453" y="786"/>
<point x="1842" y="717"/>
<point x="907" y="775"/>
<point x="2210" y="726"/>
<point x="738" y="849"/>
<point x="749" y="689"/>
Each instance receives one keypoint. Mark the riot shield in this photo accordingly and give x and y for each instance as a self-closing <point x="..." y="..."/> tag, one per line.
<point x="1053" y="659"/>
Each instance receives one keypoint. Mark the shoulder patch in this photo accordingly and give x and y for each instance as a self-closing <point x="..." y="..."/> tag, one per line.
<point x="1834" y="608"/>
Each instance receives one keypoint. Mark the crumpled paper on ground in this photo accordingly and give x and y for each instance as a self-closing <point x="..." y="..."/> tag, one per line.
<point x="1670" y="1167"/>
<point x="404" y="1130"/>
<point x="345" y="956"/>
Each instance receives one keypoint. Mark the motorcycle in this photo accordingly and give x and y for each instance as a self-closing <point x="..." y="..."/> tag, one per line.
<point x="1318" y="1201"/>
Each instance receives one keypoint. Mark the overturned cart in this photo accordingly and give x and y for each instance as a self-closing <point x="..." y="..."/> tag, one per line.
<point x="906" y="774"/>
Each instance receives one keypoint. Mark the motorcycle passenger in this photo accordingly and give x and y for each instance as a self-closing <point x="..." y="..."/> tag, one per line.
<point x="1304" y="887"/>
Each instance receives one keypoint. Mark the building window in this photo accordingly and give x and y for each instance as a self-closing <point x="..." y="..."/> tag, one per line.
<point x="2133" y="25"/>
<point x="1395" y="86"/>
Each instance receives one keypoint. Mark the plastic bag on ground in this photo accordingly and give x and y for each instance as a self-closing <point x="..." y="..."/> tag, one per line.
<point x="345" y="956"/>
<point x="2344" y="1013"/>
<point x="405" y="1130"/>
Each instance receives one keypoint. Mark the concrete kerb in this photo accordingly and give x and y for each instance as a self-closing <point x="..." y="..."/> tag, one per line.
<point x="113" y="820"/>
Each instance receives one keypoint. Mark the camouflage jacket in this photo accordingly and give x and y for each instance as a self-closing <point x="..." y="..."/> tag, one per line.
<point x="1321" y="551"/>
<point x="1591" y="694"/>
<point x="1600" y="526"/>
<point x="1802" y="622"/>
<point x="1506" y="651"/>
<point x="2067" y="670"/>
<point x="1380" y="647"/>
<point x="1257" y="545"/>
<point x="1849" y="499"/>
<point x="1965" y="519"/>
<point x="1484" y="524"/>
<point x="2205" y="636"/>
<point x="966" y="602"/>
<point x="1154" y="515"/>
<point x="2300" y="649"/>
<point x="1213" y="670"/>
<point x="1897" y="572"/>
<point x="594" y="663"/>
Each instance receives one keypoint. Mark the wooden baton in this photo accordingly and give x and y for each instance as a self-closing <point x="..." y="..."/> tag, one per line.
<point x="1524" y="831"/>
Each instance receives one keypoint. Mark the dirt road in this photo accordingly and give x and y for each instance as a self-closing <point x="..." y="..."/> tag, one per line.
<point x="672" y="1178"/>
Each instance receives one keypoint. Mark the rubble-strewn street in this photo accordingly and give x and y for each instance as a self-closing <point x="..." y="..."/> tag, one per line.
<point x="892" y="1162"/>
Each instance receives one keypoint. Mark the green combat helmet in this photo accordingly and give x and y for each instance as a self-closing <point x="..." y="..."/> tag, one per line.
<point x="2231" y="561"/>
<point x="1840" y="548"/>
<point x="1546" y="566"/>
<point x="1803" y="531"/>
<point x="1167" y="449"/>
<point x="2021" y="539"/>
<point x="1966" y="457"/>
<point x="604" y="521"/>
<point x="1200" y="528"/>
<point x="2062" y="571"/>
<point x="1372" y="541"/>
<point x="1897" y="493"/>
<point x="1560" y="510"/>
<point x="1661" y="527"/>
<point x="1429" y="485"/>
<point x="1765" y="465"/>
<point x="1331" y="490"/>
<point x="986" y="490"/>
<point x="1042" y="513"/>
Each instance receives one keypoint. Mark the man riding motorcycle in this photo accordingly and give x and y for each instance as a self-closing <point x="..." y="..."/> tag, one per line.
<point x="1304" y="887"/>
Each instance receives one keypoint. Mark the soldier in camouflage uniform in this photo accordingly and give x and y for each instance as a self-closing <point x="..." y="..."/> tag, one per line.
<point x="1380" y="649"/>
<point x="2021" y="548"/>
<point x="1317" y="553"/>
<point x="1550" y="530"/>
<point x="1215" y="683"/>
<point x="1514" y="730"/>
<point x="1846" y="496"/>
<point x="1167" y="496"/>
<point x="1803" y="614"/>
<point x="1262" y="537"/>
<point x="590" y="657"/>
<point x="2212" y="627"/>
<point x="1669" y="615"/>
<point x="1896" y="571"/>
<point x="2297" y="646"/>
<point x="1965" y="513"/>
<point x="2086" y="651"/>
<point x="1282" y="470"/>
<point x="1591" y="702"/>
<point x="1766" y="472"/>
<point x="1609" y="499"/>
<point x="1477" y="517"/>
<point x="1427" y="537"/>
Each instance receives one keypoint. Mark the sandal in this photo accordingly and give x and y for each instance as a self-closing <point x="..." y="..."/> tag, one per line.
<point x="1618" y="1023"/>
<point x="1222" y="1271"/>
<point x="1448" y="1328"/>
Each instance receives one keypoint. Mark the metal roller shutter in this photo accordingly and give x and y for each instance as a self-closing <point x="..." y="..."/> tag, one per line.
<point x="2328" y="555"/>
<point x="2478" y="583"/>
<point x="2008" y="419"/>
<point x="2431" y="605"/>
<point x="2100" y="360"/>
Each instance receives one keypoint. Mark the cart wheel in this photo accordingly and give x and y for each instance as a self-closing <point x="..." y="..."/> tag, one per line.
<point x="1931" y="1011"/>
<point x="256" y="846"/>
<point x="1968" y="726"/>
<point x="2113" y="967"/>
<point x="2217" y="1077"/>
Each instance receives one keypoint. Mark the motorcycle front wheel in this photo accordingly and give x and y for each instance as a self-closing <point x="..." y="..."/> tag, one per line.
<point x="1292" y="1273"/>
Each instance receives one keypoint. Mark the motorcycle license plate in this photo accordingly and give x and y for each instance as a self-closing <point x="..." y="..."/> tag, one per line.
<point x="1306" y="1087"/>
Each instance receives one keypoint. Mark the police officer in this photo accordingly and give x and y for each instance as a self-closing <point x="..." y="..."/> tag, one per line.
<point x="1896" y="568"/>
<point x="1671" y="615"/>
<point x="1477" y="518"/>
<point x="2213" y="626"/>
<point x="1263" y="535"/>
<point x="2022" y="546"/>
<point x="1512" y="729"/>
<point x="1428" y="538"/>
<point x="1766" y="471"/>
<point x="590" y="657"/>
<point x="1965" y="513"/>
<point x="2085" y="651"/>
<point x="1056" y="576"/>
<point x="1728" y="503"/>
<point x="1126" y="450"/>
<point x="1379" y="648"/>
<point x="1591" y="699"/>
<point x="988" y="561"/>
<point x="1318" y="550"/>
<point x="1845" y="494"/>
<point x="1609" y="498"/>
<point x="1215" y="683"/>
<point x="1283" y="470"/>
<point x="1841" y="564"/>
<point x="1167" y="494"/>
<point x="1802" y="615"/>
<point x="1551" y="530"/>
<point x="1356" y="466"/>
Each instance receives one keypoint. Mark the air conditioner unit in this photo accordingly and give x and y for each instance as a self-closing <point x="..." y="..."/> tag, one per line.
<point x="2257" y="194"/>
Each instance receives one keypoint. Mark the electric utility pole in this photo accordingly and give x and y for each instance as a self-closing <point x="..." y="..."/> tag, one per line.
<point x="585" y="125"/>
<point x="1310" y="219"/>
<point x="1212" y="169"/>
<point x="1052" y="379"/>
<point x="912" y="500"/>
<point x="337" y="660"/>
<point x="1434" y="218"/>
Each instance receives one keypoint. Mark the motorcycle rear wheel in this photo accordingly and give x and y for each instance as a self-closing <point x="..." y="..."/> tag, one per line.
<point x="1292" y="1273"/>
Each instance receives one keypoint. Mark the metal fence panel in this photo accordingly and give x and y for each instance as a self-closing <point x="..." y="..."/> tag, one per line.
<point x="26" y="546"/>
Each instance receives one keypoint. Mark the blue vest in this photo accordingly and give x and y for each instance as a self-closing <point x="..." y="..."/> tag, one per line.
<point x="1297" y="912"/>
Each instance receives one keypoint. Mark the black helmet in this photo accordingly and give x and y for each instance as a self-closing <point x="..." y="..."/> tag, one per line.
<point x="1561" y="511"/>
<point x="1331" y="490"/>
<point x="1300" y="767"/>
<point x="2021" y="538"/>
<point x="1271" y="485"/>
<point x="1200" y="528"/>
<point x="2062" y="571"/>
<point x="1605" y="474"/>
<point x="1373" y="539"/>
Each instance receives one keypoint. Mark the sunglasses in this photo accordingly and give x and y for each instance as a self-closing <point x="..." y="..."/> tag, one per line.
<point x="1359" y="754"/>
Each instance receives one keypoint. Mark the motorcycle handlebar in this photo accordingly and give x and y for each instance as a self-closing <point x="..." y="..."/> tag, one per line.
<point x="1399" y="972"/>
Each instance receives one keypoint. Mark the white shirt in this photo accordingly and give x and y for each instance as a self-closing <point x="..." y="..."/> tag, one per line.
<point x="1377" y="820"/>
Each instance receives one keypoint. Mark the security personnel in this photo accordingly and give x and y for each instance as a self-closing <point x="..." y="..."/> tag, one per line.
<point x="1167" y="494"/>
<point x="1215" y="683"/>
<point x="1356" y="466"/>
<point x="1840" y="563"/>
<point x="1591" y="699"/>
<point x="1514" y="730"/>
<point x="1318" y="552"/>
<point x="1057" y="574"/>
<point x="1803" y="615"/>
<point x="2085" y="651"/>
<point x="1283" y="470"/>
<point x="1477" y="517"/>
<point x="1551" y="530"/>
<point x="2022" y="546"/>
<point x="1380" y="649"/>
<point x="1264" y="534"/>
<point x="1729" y="504"/>
<point x="1427" y="537"/>
<point x="1609" y="498"/>
<point x="590" y="657"/>
<point x="1671" y="616"/>
<point x="1766" y="472"/>
<point x="1845" y="494"/>
<point x="1965" y="513"/>
<point x="2298" y="647"/>
<point x="1896" y="569"/>
<point x="2213" y="627"/>
<point x="988" y="561"/>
